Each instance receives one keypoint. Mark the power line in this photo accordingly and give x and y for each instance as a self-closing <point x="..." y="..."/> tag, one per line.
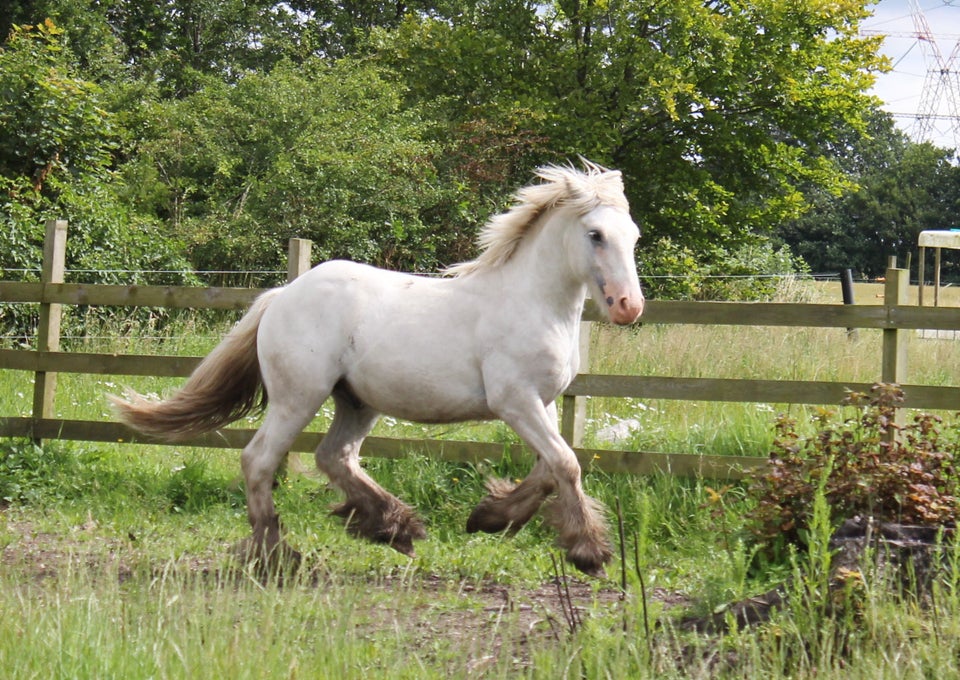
<point x="940" y="94"/>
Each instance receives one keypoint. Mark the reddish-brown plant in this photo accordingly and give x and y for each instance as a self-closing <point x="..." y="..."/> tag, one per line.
<point x="868" y="465"/>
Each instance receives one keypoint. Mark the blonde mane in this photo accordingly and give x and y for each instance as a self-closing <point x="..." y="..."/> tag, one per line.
<point x="580" y="190"/>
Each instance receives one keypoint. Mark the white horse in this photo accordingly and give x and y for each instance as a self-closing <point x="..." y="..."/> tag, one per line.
<point x="498" y="338"/>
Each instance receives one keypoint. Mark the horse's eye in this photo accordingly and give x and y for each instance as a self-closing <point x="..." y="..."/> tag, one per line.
<point x="596" y="238"/>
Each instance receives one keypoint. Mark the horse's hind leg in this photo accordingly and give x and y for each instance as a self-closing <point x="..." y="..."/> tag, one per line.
<point x="369" y="510"/>
<point x="260" y="460"/>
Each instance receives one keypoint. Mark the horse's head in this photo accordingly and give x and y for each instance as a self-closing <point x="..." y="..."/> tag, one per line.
<point x="601" y="238"/>
<point x="601" y="246"/>
<point x="598" y="235"/>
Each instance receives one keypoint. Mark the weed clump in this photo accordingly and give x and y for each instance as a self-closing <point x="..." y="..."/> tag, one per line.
<point x="27" y="470"/>
<point x="868" y="466"/>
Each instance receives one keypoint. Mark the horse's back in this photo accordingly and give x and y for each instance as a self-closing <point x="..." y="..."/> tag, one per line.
<point x="404" y="344"/>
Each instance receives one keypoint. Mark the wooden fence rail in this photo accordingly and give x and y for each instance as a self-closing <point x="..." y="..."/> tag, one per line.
<point x="894" y="318"/>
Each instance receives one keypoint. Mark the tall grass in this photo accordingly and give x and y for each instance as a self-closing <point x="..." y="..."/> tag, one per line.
<point x="763" y="353"/>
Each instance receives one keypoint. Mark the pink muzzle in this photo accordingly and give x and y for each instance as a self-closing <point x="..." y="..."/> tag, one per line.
<point x="623" y="308"/>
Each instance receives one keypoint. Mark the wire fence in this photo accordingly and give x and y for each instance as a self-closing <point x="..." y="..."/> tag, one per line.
<point x="203" y="273"/>
<point x="83" y="329"/>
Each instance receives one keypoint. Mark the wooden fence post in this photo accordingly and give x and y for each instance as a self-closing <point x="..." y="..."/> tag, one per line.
<point x="298" y="263"/>
<point x="895" y="341"/>
<point x="846" y="285"/>
<point x="298" y="257"/>
<point x="573" y="416"/>
<point x="48" y="331"/>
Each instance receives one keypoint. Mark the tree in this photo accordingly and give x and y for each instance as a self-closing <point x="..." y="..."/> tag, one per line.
<point x="313" y="150"/>
<point x="56" y="148"/>
<point x="720" y="114"/>
<point x="184" y="44"/>
<point x="51" y="119"/>
<point x="725" y="117"/>
<point x="901" y="188"/>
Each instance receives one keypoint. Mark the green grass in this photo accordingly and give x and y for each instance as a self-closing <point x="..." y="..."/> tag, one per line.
<point x="115" y="558"/>
<point x="117" y="566"/>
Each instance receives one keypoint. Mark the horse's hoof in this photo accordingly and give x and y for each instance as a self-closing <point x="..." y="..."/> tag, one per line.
<point x="397" y="525"/>
<point x="280" y="560"/>
<point x="403" y="545"/>
<point x="596" y="571"/>
<point x="288" y="558"/>
<point x="590" y="560"/>
<point x="401" y="538"/>
<point x="484" y="519"/>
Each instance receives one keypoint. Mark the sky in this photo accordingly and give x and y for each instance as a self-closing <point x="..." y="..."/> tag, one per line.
<point x="902" y="89"/>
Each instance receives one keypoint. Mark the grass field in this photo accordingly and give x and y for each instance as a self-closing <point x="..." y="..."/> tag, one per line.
<point x="116" y="558"/>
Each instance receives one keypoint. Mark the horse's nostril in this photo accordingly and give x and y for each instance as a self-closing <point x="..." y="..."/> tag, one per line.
<point x="629" y="309"/>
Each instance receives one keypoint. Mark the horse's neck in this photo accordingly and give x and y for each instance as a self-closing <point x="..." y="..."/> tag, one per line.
<point x="539" y="272"/>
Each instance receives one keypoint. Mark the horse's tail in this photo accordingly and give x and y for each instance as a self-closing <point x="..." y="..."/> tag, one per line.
<point x="224" y="387"/>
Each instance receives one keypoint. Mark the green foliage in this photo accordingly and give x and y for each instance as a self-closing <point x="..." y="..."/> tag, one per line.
<point x="721" y="115"/>
<point x="57" y="144"/>
<point x="57" y="472"/>
<point x="388" y="133"/>
<point x="318" y="151"/>
<point x="51" y="118"/>
<point x="751" y="272"/>
<point x="901" y="189"/>
<point x="192" y="487"/>
<point x="29" y="471"/>
<point x="869" y="466"/>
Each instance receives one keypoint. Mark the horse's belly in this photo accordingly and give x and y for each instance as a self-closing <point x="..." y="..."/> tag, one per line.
<point x="422" y="400"/>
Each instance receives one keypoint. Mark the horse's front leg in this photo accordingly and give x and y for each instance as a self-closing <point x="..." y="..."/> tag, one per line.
<point x="576" y="517"/>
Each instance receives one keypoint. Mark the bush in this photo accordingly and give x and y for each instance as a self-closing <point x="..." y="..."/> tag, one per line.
<point x="868" y="466"/>
<point x="56" y="162"/>
<point x="751" y="272"/>
<point x="28" y="471"/>
<point x="194" y="487"/>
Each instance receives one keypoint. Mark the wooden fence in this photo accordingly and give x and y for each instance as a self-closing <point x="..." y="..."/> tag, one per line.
<point x="895" y="318"/>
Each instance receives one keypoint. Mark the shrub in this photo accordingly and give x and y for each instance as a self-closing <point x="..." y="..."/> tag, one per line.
<point x="194" y="487"/>
<point x="868" y="466"/>
<point x="28" y="471"/>
<point x="752" y="271"/>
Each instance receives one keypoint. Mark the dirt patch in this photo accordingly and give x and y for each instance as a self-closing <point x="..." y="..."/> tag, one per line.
<point x="40" y="555"/>
<point x="492" y="623"/>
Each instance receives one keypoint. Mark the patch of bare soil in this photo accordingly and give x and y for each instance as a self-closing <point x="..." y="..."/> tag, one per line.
<point x="503" y="623"/>
<point x="40" y="555"/>
<point x="492" y="623"/>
